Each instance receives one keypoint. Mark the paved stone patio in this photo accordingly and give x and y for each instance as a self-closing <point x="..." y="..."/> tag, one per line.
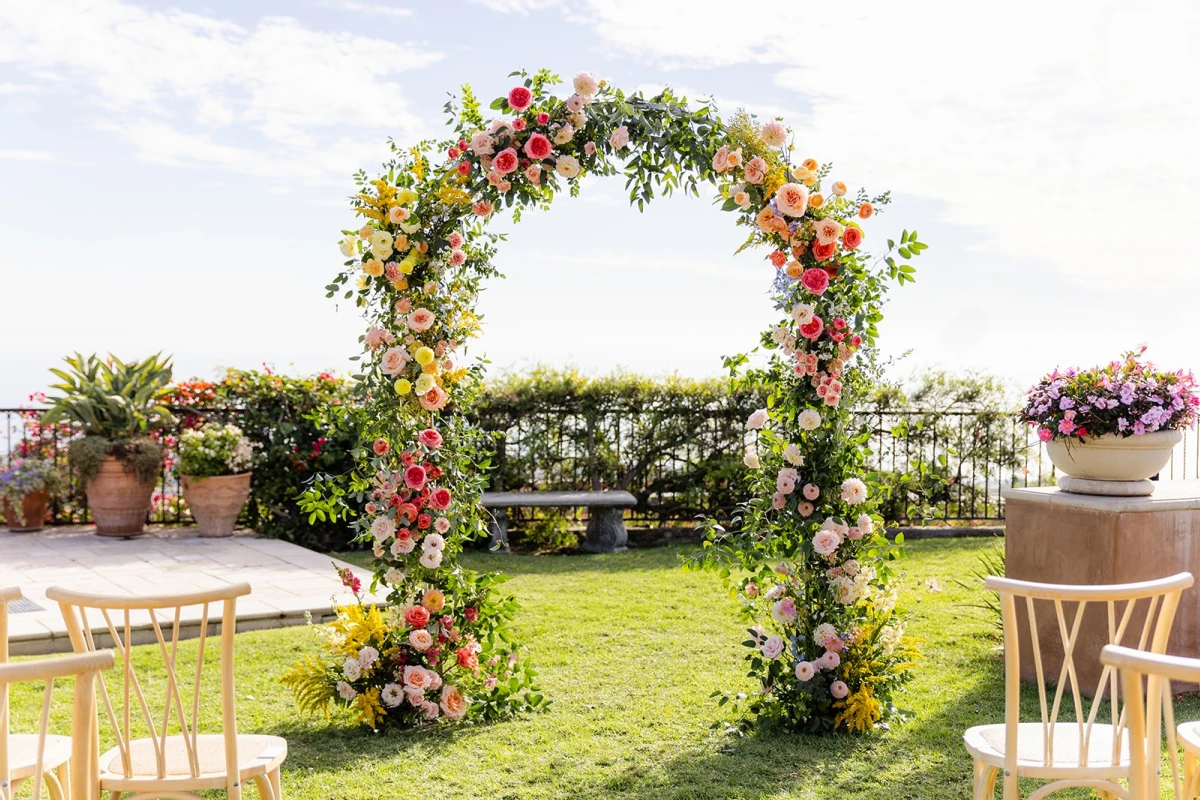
<point x="288" y="581"/>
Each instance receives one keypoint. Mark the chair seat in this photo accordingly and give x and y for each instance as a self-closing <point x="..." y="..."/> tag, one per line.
<point x="22" y="754"/>
<point x="257" y="755"/>
<point x="987" y="744"/>
<point x="1189" y="737"/>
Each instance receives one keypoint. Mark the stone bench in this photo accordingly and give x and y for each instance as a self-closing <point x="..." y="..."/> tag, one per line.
<point x="606" y="515"/>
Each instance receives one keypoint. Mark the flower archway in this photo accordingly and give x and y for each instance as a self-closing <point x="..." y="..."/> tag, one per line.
<point x="808" y="558"/>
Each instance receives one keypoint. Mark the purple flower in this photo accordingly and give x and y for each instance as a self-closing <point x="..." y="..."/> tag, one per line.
<point x="1122" y="423"/>
<point x="1139" y="429"/>
<point x="1065" y="403"/>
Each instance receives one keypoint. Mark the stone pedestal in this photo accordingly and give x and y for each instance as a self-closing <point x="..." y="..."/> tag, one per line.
<point x="606" y="530"/>
<point x="1054" y="536"/>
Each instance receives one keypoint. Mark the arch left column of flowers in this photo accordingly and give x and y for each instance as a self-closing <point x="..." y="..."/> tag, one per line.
<point x="416" y="265"/>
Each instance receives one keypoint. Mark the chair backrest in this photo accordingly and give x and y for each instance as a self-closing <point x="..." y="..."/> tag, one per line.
<point x="1155" y="601"/>
<point x="1156" y="671"/>
<point x="120" y="618"/>
<point x="85" y="771"/>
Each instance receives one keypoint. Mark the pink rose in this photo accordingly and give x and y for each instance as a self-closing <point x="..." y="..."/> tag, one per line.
<point x="533" y="174"/>
<point x="756" y="171"/>
<point x="784" y="611"/>
<point x="619" y="139"/>
<point x="720" y="162"/>
<point x="839" y="690"/>
<point x="812" y="329"/>
<point x="537" y="147"/>
<point x="520" y="98"/>
<point x="378" y="337"/>
<point x="778" y="501"/>
<point x="414" y="477"/>
<point x="542" y="118"/>
<point x="815" y="280"/>
<point x="404" y="305"/>
<point x="440" y="499"/>
<point x="506" y="161"/>
<point x="772" y="648"/>
<point x="394" y="360"/>
<point x="430" y="438"/>
<point x="826" y="542"/>
<point x="420" y="639"/>
<point x="575" y="104"/>
<point x="435" y="399"/>
<point x="518" y="124"/>
<point x="805" y="509"/>
<point x="590" y="149"/>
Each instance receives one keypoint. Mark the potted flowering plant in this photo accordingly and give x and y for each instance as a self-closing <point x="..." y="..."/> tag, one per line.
<point x="119" y="407"/>
<point x="26" y="486"/>
<point x="1115" y="425"/>
<point x="215" y="464"/>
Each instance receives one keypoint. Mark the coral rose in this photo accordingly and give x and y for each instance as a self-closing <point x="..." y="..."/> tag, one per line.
<point x="430" y="438"/>
<point x="416" y="616"/>
<point x="520" y="98"/>
<point x="792" y="199"/>
<point x="440" y="499"/>
<point x="434" y="600"/>
<point x="824" y="252"/>
<point x="466" y="659"/>
<point x="435" y="399"/>
<point x="865" y="211"/>
<point x="538" y="147"/>
<point x="851" y="238"/>
<point x="380" y="447"/>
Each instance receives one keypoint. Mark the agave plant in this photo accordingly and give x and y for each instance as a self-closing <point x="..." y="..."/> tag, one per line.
<point x="113" y="399"/>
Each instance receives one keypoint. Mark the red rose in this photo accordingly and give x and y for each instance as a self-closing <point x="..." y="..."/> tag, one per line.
<point x="823" y="252"/>
<point x="778" y="258"/>
<point x="424" y="521"/>
<point x="815" y="280"/>
<point x="520" y="98"/>
<point x="466" y="659"/>
<point x="414" y="476"/>
<point x="542" y="118"/>
<point x="430" y="438"/>
<point x="417" y="616"/>
<point x="440" y="499"/>
<point x="434" y="473"/>
<point x="380" y="447"/>
<point x="537" y="147"/>
<point x="812" y="329"/>
<point x="852" y="238"/>
<point x="406" y="459"/>
<point x="471" y="613"/>
<point x="505" y="161"/>
<point x="856" y="340"/>
<point x="452" y="153"/>
<point x="518" y="124"/>
<point x="464" y="167"/>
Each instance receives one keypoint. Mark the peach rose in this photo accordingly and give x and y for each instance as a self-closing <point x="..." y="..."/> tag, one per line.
<point x="756" y="170"/>
<point x="839" y="189"/>
<point x="420" y="639"/>
<point x="435" y="399"/>
<point x="810" y="164"/>
<point x="394" y="360"/>
<point x="421" y="319"/>
<point x="433" y="600"/>
<point x="792" y="199"/>
<point x="720" y="162"/>
<point x="735" y="159"/>
<point x="827" y="230"/>
<point x="453" y="704"/>
<point x="865" y="211"/>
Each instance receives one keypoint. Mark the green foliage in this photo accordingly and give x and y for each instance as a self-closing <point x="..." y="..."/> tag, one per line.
<point x="988" y="564"/>
<point x="214" y="450"/>
<point x="549" y="530"/>
<point x="143" y="456"/>
<point x="112" y="399"/>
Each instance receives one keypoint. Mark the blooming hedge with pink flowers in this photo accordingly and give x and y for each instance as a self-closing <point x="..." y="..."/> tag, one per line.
<point x="416" y="263"/>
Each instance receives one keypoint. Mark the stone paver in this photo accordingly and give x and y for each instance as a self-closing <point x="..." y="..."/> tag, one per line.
<point x="288" y="582"/>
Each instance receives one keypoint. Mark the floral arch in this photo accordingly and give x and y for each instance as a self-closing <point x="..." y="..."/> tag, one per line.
<point x="808" y="558"/>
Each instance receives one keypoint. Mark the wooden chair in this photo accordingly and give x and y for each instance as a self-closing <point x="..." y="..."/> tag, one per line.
<point x="82" y="781"/>
<point x="1155" y="672"/>
<point x="171" y="760"/>
<point x="1081" y="752"/>
<point x="20" y="760"/>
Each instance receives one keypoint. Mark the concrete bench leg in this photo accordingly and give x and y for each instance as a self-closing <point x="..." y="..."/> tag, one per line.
<point x="606" y="530"/>
<point x="498" y="532"/>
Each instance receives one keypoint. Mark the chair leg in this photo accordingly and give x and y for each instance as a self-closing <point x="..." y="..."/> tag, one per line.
<point x="264" y="787"/>
<point x="53" y="787"/>
<point x="64" y="777"/>
<point x="985" y="781"/>
<point x="276" y="782"/>
<point x="1011" y="790"/>
<point x="1189" y="775"/>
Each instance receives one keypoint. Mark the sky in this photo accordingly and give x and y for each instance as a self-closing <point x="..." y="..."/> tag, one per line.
<point x="173" y="176"/>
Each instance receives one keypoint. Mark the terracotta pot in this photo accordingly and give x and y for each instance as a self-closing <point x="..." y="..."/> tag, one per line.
<point x="32" y="514"/>
<point x="216" y="502"/>
<point x="117" y="500"/>
<point x="1112" y="458"/>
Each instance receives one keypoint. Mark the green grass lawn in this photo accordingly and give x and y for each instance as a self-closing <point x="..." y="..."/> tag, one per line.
<point x="629" y="647"/>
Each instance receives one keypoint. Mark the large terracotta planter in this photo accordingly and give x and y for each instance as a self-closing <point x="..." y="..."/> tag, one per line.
<point x="216" y="502"/>
<point x="31" y="516"/>
<point x="1111" y="458"/>
<point x="117" y="500"/>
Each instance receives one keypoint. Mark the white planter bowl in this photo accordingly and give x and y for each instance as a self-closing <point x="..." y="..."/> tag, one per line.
<point x="1111" y="458"/>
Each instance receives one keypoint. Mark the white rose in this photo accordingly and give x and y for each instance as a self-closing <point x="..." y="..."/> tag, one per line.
<point x="586" y="85"/>
<point x="383" y="528"/>
<point x="352" y="669"/>
<point x="563" y="135"/>
<point x="772" y="648"/>
<point x="793" y="456"/>
<point x="808" y="420"/>
<point x="757" y="420"/>
<point x="431" y="559"/>
<point x="567" y="166"/>
<point x="751" y="459"/>
<point x="348" y="246"/>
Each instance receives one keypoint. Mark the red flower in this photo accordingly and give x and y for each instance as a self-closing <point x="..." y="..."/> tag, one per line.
<point x="464" y="167"/>
<point x="380" y="447"/>
<point x="537" y="147"/>
<point x="815" y="280"/>
<point x="856" y="340"/>
<point x="434" y="473"/>
<point x="518" y="124"/>
<point x="471" y="613"/>
<point x="414" y="476"/>
<point x="406" y="512"/>
<point x="542" y="118"/>
<point x="452" y="153"/>
<point x="417" y="616"/>
<point x="424" y="521"/>
<point x="430" y="438"/>
<point x="812" y="329"/>
<point x="463" y="144"/>
<point x="852" y="238"/>
<point x="466" y="659"/>
<point x="824" y="252"/>
<point x="520" y="98"/>
<point x="778" y="258"/>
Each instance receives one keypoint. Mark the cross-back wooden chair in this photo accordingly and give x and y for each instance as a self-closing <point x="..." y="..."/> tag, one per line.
<point x="1085" y="751"/>
<point x="1146" y="684"/>
<point x="18" y="762"/>
<point x="160" y="751"/>
<point x="31" y="759"/>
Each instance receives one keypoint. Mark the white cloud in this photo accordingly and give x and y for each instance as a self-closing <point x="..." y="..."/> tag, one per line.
<point x="371" y="8"/>
<point x="27" y="155"/>
<point x="1057" y="129"/>
<point x="169" y="75"/>
<point x="16" y="88"/>
<point x="517" y="6"/>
